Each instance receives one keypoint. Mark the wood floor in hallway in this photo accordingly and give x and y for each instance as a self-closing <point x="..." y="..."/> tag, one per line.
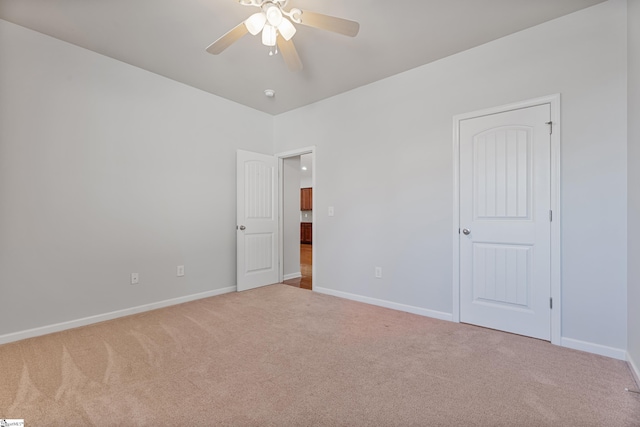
<point x="305" y="281"/>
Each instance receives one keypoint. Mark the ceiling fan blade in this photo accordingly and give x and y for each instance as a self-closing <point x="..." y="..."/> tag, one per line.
<point x="228" y="39"/>
<point x="330" y="23"/>
<point x="289" y="53"/>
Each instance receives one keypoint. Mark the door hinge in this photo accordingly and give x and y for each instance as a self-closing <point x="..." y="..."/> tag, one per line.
<point x="550" y="127"/>
<point x="550" y="216"/>
<point x="551" y="303"/>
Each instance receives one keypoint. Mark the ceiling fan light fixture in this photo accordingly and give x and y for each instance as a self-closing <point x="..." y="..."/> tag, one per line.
<point x="286" y="29"/>
<point x="255" y="23"/>
<point x="277" y="26"/>
<point x="269" y="34"/>
<point x="273" y="14"/>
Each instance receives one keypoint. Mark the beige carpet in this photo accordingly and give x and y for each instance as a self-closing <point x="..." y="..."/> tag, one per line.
<point x="282" y="356"/>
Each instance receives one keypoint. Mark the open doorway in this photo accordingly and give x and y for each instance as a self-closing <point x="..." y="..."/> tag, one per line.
<point x="297" y="220"/>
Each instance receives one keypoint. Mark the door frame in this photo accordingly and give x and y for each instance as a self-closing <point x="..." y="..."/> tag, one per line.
<point x="281" y="156"/>
<point x="556" y="247"/>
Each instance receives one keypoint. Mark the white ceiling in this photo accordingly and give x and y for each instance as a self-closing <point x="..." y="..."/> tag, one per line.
<point x="169" y="37"/>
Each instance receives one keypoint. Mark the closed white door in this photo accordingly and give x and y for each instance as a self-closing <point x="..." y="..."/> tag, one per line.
<point x="257" y="220"/>
<point x="505" y="231"/>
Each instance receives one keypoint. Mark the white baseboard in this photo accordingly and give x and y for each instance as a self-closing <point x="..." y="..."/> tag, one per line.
<point x="612" y="352"/>
<point x="292" y="276"/>
<point x="634" y="369"/>
<point x="43" y="330"/>
<point x="615" y="353"/>
<point x="589" y="347"/>
<point x="387" y="304"/>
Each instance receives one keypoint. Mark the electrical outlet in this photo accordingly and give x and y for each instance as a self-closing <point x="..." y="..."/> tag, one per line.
<point x="378" y="272"/>
<point x="180" y="271"/>
<point x="134" y="279"/>
<point x="330" y="211"/>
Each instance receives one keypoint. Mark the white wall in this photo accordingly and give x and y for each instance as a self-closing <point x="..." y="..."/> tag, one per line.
<point x="291" y="217"/>
<point x="633" y="301"/>
<point x="105" y="170"/>
<point x="384" y="161"/>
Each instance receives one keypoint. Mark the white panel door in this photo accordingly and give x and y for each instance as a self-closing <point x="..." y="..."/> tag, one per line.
<point x="257" y="220"/>
<point x="505" y="229"/>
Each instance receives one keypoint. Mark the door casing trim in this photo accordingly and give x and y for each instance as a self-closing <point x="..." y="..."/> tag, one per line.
<point x="556" y="246"/>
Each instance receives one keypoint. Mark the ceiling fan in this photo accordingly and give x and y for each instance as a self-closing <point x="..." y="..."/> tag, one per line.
<point x="276" y="25"/>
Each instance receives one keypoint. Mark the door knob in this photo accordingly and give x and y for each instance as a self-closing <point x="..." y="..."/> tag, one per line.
<point x="242" y="227"/>
<point x="466" y="231"/>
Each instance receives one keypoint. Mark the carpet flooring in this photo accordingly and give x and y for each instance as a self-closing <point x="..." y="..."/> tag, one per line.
<point x="283" y="356"/>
